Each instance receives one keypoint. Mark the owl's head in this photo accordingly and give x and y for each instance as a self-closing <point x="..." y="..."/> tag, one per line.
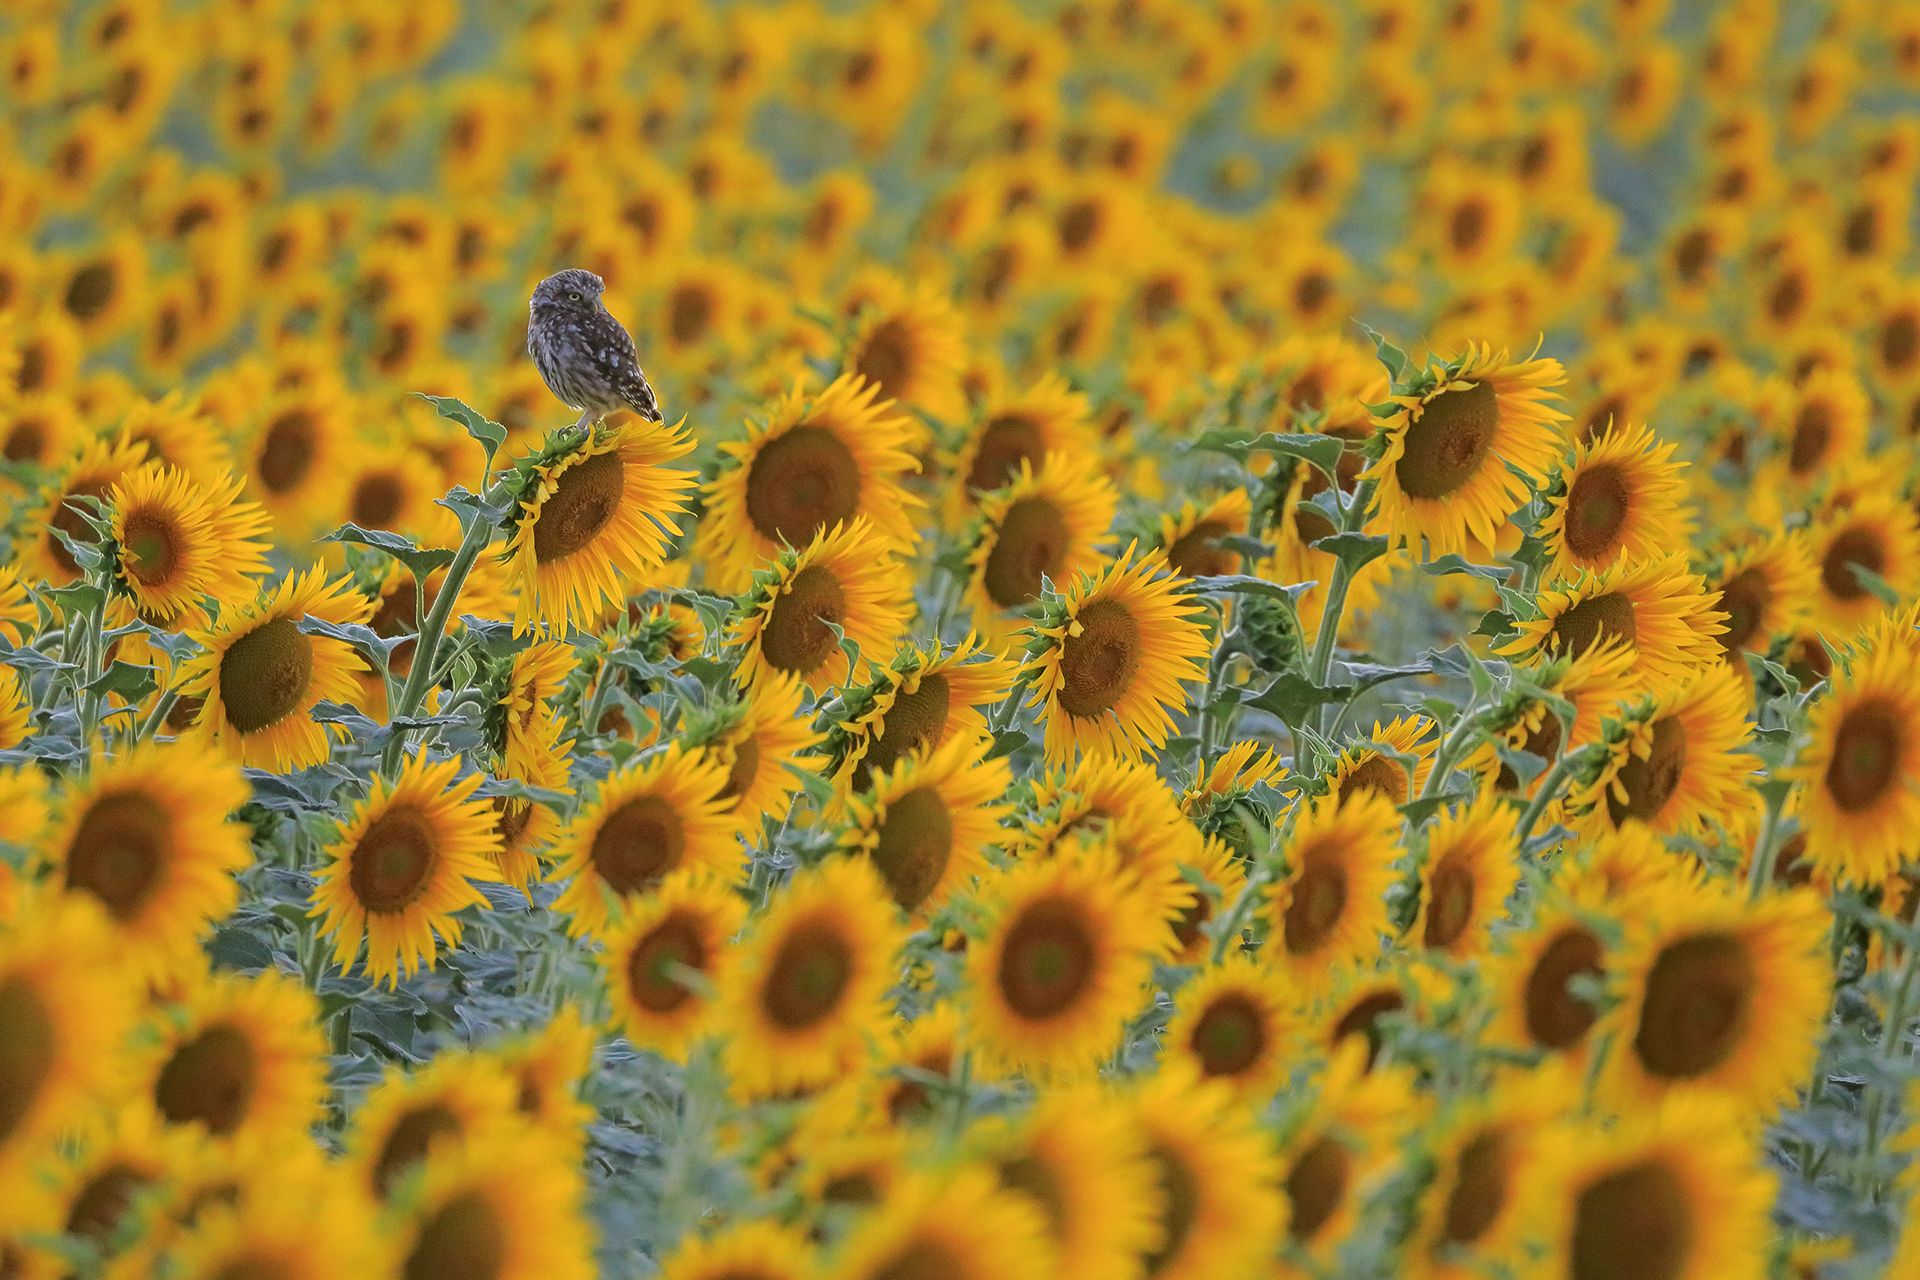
<point x="573" y="288"/>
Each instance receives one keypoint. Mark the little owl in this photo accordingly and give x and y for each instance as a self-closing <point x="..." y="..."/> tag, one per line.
<point x="586" y="357"/>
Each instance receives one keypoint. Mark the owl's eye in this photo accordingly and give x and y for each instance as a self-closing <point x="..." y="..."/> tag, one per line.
<point x="574" y="294"/>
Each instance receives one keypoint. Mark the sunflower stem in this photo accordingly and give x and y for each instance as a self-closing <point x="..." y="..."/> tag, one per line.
<point x="1451" y="748"/>
<point x="1544" y="794"/>
<point x="420" y="678"/>
<point x="1352" y="516"/>
<point x="1893" y="1044"/>
<point x="1237" y="914"/>
<point x="1766" y="851"/>
<point x="162" y="707"/>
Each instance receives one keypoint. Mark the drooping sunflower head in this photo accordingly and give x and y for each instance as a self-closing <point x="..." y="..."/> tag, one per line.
<point x="1017" y="425"/>
<point x="928" y="823"/>
<point x="1462" y="431"/>
<point x="1393" y="761"/>
<point x="259" y="676"/>
<point x="403" y="863"/>
<point x="916" y="702"/>
<point x="1044" y="526"/>
<point x="1660" y="609"/>
<point x="1109" y="657"/>
<point x="820" y="459"/>
<point x="846" y="578"/>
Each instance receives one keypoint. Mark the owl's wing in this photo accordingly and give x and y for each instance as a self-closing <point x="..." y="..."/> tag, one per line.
<point x="629" y="383"/>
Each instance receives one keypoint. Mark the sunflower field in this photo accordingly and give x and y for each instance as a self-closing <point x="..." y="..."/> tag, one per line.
<point x="1262" y="638"/>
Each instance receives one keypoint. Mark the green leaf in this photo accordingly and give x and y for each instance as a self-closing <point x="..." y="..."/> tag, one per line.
<point x="77" y="599"/>
<point x="1453" y="564"/>
<point x="1355" y="550"/>
<point x="1292" y="696"/>
<point x="1391" y="356"/>
<point x="491" y="435"/>
<point x="1321" y="451"/>
<point x="1247" y="585"/>
<point x="1416" y="812"/>
<point x="125" y="680"/>
<point x="420" y="560"/>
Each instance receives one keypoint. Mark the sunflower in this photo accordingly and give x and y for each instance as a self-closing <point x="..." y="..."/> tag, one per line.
<point x="1896" y="339"/>
<point x="809" y="980"/>
<point x="535" y="676"/>
<point x="1544" y="979"/>
<point x="1370" y="766"/>
<point x="958" y="1225"/>
<point x="1074" y="1157"/>
<point x="687" y="921"/>
<point x="506" y="1204"/>
<point x="847" y="578"/>
<point x="548" y="1067"/>
<point x="765" y="741"/>
<point x="599" y="513"/>
<point x="1878" y="534"/>
<point x="298" y="443"/>
<point x="1472" y="868"/>
<point x="742" y="1251"/>
<point x="1623" y="496"/>
<point x="1675" y="762"/>
<point x="315" y="1228"/>
<point x="40" y="430"/>
<point x="178" y="542"/>
<point x="1044" y="526"/>
<point x="1235" y="1022"/>
<point x="101" y="1181"/>
<point x="65" y="1008"/>
<point x="1596" y="683"/>
<point x="1062" y="965"/>
<point x="1191" y="536"/>
<point x="920" y="700"/>
<point x="1826" y="423"/>
<point x="1486" y="1156"/>
<point x="1330" y="905"/>
<point x="1660" y="609"/>
<point x="16" y="710"/>
<point x="930" y="1045"/>
<point x="1674" y="1192"/>
<point x="1722" y="995"/>
<point x="912" y="347"/>
<point x="408" y="1117"/>
<point x="662" y="814"/>
<point x="1767" y="588"/>
<point x="179" y="434"/>
<point x="242" y="1057"/>
<point x="259" y="676"/>
<point x="40" y="554"/>
<point x="927" y="824"/>
<point x="1219" y="1207"/>
<point x="1017" y="425"/>
<point x="1240" y="768"/>
<point x="1445" y="474"/>
<point x="817" y="461"/>
<point x="147" y="835"/>
<point x="527" y="827"/>
<point x="1109" y="656"/>
<point x="402" y="864"/>
<point x="1859" y="774"/>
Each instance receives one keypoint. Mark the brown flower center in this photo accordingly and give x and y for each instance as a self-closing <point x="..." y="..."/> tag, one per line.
<point x="1745" y="597"/>
<point x="211" y="1079"/>
<point x="91" y="290"/>
<point x="1651" y="783"/>
<point x="915" y="720"/>
<point x="411" y="1139"/>
<point x="1556" y="1017"/>
<point x="1363" y="1019"/>
<point x="1036" y="1179"/>
<point x="1231" y="1036"/>
<point x="886" y="357"/>
<point x="1007" y="440"/>
<point x="264" y="675"/>
<point x="1812" y="433"/>
<point x="584" y="501"/>
<point x="1032" y="542"/>
<point x="652" y="977"/>
<point x="1318" y="902"/>
<point x="377" y="500"/>
<point x="1699" y="993"/>
<point x="638" y="843"/>
<point x="120" y="851"/>
<point x="915" y="845"/>
<point x="287" y="450"/>
<point x="1316" y="1186"/>
<point x="28" y="1041"/>
<point x="1853" y="548"/>
<point x="1179" y="1201"/>
<point x="1098" y="665"/>
<point x="805" y="481"/>
<point x="463" y="1240"/>
<point x="102" y="1205"/>
<point x="1867" y="752"/>
<point x="1048" y="960"/>
<point x="796" y="637"/>
<point x="1598" y="503"/>
<point x="1198" y="553"/>
<point x="1608" y="616"/>
<point x="1380" y="774"/>
<point x="1635" y="1221"/>
<point x="1692" y="255"/>
<point x="1900" y="341"/>
<point x="393" y="860"/>
<point x="808" y="978"/>
<point x="1450" y="894"/>
<point x="1446" y="446"/>
<point x="1480" y="1187"/>
<point x="690" y="314"/>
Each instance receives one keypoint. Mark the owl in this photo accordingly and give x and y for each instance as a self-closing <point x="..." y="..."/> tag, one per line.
<point x="583" y="353"/>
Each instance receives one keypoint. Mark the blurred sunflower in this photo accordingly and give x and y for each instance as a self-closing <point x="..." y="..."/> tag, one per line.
<point x="402" y="864"/>
<point x="957" y="1224"/>
<point x="1545" y="979"/>
<point x="1109" y="656"/>
<point x="548" y="1067"/>
<point x="819" y="460"/>
<point x="1062" y="965"/>
<point x="765" y="741"/>
<point x="147" y="835"/>
<point x="241" y="1057"/>
<point x="1487" y="1156"/>
<point x="317" y="1228"/>
<point x="912" y="347"/>
<point x="920" y="700"/>
<point x="1676" y="762"/>
<point x="297" y="446"/>
<point x="742" y="1251"/>
<point x="1235" y="1023"/>
<point x="16" y="710"/>
<point x="1859" y="774"/>
<point x="41" y="554"/>
<point x="1377" y="763"/>
<point x="810" y="979"/>
<point x="1024" y="424"/>
<point x="1330" y="904"/>
<point x="662" y="814"/>
<point x="408" y="1117"/>
<point x="1767" y="588"/>
<point x="927" y="823"/>
<point x="1658" y="608"/>
<point x="259" y="676"/>
<point x="600" y="512"/>
<point x="1623" y="497"/>
<point x="686" y="922"/>
<point x="1722" y="996"/>
<point x="846" y="578"/>
<point x="1044" y="526"/>
<point x="505" y="1204"/>
<point x="1461" y="425"/>
<point x="1595" y="683"/>
<point x="1877" y="534"/>
<point x="1472" y="868"/>
<point x="1191" y="537"/>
